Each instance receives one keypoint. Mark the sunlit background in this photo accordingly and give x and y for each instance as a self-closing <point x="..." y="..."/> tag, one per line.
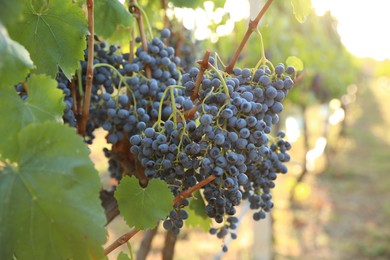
<point x="362" y="25"/>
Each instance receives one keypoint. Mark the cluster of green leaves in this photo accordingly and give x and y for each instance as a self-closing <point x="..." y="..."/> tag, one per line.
<point x="40" y="36"/>
<point x="49" y="188"/>
<point x="48" y="185"/>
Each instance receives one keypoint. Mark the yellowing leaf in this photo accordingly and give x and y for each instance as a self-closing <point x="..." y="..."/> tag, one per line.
<point x="295" y="62"/>
<point x="301" y="8"/>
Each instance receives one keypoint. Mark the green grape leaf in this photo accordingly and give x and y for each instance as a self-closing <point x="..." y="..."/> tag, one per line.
<point x="143" y="207"/>
<point x="10" y="11"/>
<point x="40" y="6"/>
<point x="49" y="198"/>
<point x="44" y="103"/>
<point x="197" y="215"/>
<point x="123" y="256"/>
<point x="301" y="8"/>
<point x="112" y="17"/>
<point x="15" y="60"/>
<point x="295" y="62"/>
<point x="54" y="34"/>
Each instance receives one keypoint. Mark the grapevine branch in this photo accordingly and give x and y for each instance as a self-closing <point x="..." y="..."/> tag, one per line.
<point x="180" y="39"/>
<point x="24" y="87"/>
<point x="120" y="241"/>
<point x="164" y="6"/>
<point x="300" y="77"/>
<point x="185" y="194"/>
<point x="204" y="64"/>
<point x="138" y="14"/>
<point x="251" y="28"/>
<point x="132" y="44"/>
<point x="88" y="87"/>
<point x="74" y="94"/>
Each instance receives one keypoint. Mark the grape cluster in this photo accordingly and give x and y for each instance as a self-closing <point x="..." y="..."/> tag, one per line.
<point x="229" y="138"/>
<point x="124" y="99"/>
<point x="63" y="84"/>
<point x="226" y="133"/>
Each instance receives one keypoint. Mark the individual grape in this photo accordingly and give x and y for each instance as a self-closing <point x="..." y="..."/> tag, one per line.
<point x="167" y="224"/>
<point x="246" y="73"/>
<point x="213" y="231"/>
<point x="227" y="113"/>
<point x="265" y="80"/>
<point x="288" y="83"/>
<point x="106" y="97"/>
<point x="149" y="132"/>
<point x="123" y="113"/>
<point x="112" y="138"/>
<point x="206" y="119"/>
<point x="123" y="100"/>
<point x="271" y="92"/>
<point x="279" y="69"/>
<point x="219" y="139"/>
<point x="290" y="70"/>
<point x="277" y="107"/>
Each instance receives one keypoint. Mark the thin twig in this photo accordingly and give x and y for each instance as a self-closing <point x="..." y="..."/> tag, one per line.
<point x="24" y="86"/>
<point x="88" y="87"/>
<point x="204" y="64"/>
<point x="180" y="40"/>
<point x="189" y="114"/>
<point x="120" y="241"/>
<point x="138" y="14"/>
<point x="187" y="193"/>
<point x="251" y="28"/>
<point x="300" y="77"/>
<point x="164" y="6"/>
<point x="74" y="94"/>
<point x="132" y="44"/>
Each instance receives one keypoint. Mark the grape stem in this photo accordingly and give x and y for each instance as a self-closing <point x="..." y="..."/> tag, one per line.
<point x="180" y="39"/>
<point x="120" y="241"/>
<point x="134" y="8"/>
<point x="132" y="44"/>
<point x="74" y="94"/>
<point x="204" y="64"/>
<point x="164" y="6"/>
<point x="252" y="26"/>
<point x="88" y="87"/>
<point x="300" y="77"/>
<point x="187" y="193"/>
<point x="24" y="87"/>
